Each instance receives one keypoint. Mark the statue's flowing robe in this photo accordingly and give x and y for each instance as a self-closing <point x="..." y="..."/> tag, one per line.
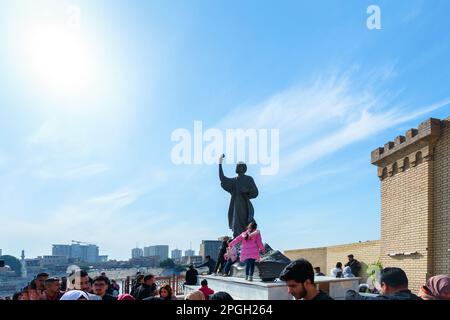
<point x="240" y="212"/>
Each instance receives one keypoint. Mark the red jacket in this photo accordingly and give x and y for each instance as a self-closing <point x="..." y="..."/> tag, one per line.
<point x="206" y="292"/>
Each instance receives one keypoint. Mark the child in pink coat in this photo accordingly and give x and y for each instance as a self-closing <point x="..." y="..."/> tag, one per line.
<point x="250" y="248"/>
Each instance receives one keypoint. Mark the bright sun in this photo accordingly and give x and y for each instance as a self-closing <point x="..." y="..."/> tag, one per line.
<point x="58" y="59"/>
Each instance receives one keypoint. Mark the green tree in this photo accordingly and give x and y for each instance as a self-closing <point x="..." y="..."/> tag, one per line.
<point x="373" y="271"/>
<point x="168" y="263"/>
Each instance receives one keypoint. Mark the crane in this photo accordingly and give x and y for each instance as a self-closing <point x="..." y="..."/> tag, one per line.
<point x="80" y="242"/>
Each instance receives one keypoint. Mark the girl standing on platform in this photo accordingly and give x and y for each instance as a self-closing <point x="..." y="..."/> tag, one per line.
<point x="250" y="248"/>
<point x="230" y="257"/>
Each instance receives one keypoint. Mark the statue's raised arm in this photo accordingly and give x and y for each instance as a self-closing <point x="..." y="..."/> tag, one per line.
<point x="225" y="182"/>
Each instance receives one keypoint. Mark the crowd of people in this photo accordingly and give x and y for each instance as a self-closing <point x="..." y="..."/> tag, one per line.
<point x="80" y="286"/>
<point x="299" y="276"/>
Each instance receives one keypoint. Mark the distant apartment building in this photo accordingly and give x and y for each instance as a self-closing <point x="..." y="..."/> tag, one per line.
<point x="176" y="254"/>
<point x="148" y="262"/>
<point x="210" y="248"/>
<point x="191" y="259"/>
<point x="54" y="260"/>
<point x="189" y="253"/>
<point x="137" y="253"/>
<point x="61" y="250"/>
<point x="86" y="253"/>
<point x="161" y="251"/>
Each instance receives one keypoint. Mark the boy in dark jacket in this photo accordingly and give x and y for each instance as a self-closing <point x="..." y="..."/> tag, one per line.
<point x="221" y="257"/>
<point x="147" y="289"/>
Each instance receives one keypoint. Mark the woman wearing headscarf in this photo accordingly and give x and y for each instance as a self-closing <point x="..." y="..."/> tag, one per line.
<point x="75" y="295"/>
<point x="125" y="296"/>
<point x="337" y="271"/>
<point x="437" y="288"/>
<point x="195" y="295"/>
<point x="347" y="273"/>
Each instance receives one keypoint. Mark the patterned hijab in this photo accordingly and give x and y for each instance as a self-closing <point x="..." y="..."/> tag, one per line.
<point x="439" y="286"/>
<point x="195" y="295"/>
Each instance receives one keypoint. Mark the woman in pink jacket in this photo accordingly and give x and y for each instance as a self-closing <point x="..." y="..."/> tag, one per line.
<point x="250" y="248"/>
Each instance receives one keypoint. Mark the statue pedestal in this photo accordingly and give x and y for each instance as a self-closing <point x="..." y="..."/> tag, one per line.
<point x="267" y="269"/>
<point x="240" y="289"/>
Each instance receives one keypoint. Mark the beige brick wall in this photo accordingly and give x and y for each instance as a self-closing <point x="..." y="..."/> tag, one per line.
<point x="415" y="200"/>
<point x="327" y="257"/>
<point x="415" y="208"/>
<point x="365" y="252"/>
<point x="441" y="230"/>
<point x="317" y="256"/>
<point x="405" y="214"/>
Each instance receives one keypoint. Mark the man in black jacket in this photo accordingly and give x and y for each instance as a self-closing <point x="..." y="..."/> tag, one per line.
<point x="210" y="263"/>
<point x="191" y="276"/>
<point x="221" y="259"/>
<point x="147" y="289"/>
<point x="354" y="265"/>
<point x="394" y="286"/>
<point x="299" y="278"/>
<point x="100" y="287"/>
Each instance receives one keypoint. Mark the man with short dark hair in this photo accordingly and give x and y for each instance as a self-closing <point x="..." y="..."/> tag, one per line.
<point x="191" y="276"/>
<point x="82" y="281"/>
<point x="354" y="265"/>
<point x="394" y="286"/>
<point x="40" y="281"/>
<point x="100" y="287"/>
<point x="317" y="272"/>
<point x="299" y="277"/>
<point x="147" y="289"/>
<point x="210" y="263"/>
<point x="52" y="291"/>
<point x="63" y="287"/>
<point x="221" y="256"/>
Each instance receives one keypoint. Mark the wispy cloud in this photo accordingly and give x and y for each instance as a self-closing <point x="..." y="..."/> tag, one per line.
<point x="75" y="173"/>
<point x="416" y="9"/>
<point x="2" y="159"/>
<point x="318" y="119"/>
<point x="368" y="124"/>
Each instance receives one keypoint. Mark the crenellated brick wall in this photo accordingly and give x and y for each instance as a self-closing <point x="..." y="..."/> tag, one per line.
<point x="414" y="171"/>
<point x="441" y="206"/>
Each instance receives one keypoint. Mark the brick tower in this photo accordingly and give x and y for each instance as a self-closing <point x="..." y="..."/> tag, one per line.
<point x="415" y="201"/>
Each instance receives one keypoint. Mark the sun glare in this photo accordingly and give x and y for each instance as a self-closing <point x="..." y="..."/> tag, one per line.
<point x="58" y="59"/>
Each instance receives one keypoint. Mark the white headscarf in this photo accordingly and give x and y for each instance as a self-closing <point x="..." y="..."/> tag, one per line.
<point x="74" y="295"/>
<point x="195" y="295"/>
<point x="348" y="273"/>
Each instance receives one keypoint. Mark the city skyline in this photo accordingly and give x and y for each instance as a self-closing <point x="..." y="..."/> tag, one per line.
<point x="184" y="252"/>
<point x="91" y="98"/>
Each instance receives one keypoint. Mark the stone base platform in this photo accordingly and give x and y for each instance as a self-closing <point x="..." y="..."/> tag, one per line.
<point x="240" y="289"/>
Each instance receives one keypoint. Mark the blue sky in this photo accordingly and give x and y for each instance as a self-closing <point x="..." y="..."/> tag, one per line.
<point x="88" y="106"/>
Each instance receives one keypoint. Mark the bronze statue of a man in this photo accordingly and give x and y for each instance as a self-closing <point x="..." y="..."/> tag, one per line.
<point x="242" y="188"/>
